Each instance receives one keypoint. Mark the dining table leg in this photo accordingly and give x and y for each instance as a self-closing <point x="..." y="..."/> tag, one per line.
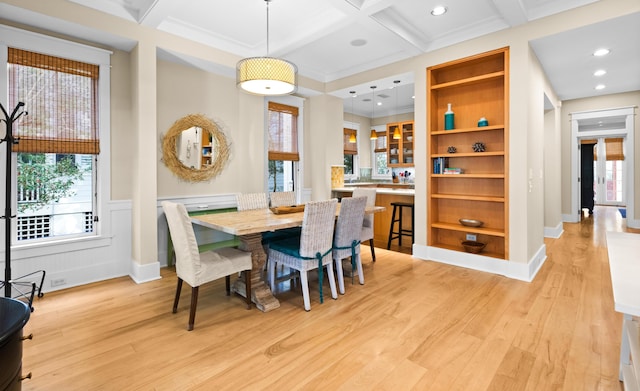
<point x="261" y="294"/>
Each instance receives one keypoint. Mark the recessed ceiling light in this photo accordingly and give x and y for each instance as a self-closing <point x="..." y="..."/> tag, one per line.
<point x="601" y="52"/>
<point x="439" y="10"/>
<point x="599" y="72"/>
<point x="600" y="87"/>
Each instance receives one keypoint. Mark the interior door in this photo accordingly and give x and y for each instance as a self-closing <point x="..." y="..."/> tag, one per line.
<point x="586" y="176"/>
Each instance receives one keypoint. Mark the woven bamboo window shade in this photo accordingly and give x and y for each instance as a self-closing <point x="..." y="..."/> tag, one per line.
<point x="61" y="97"/>
<point x="283" y="132"/>
<point x="381" y="142"/>
<point x="349" y="147"/>
<point x="614" y="148"/>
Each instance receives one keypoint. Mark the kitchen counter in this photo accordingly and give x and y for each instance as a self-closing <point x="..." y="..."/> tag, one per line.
<point x="386" y="193"/>
<point x="401" y="189"/>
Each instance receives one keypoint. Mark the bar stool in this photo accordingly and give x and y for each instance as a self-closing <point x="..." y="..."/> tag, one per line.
<point x="398" y="208"/>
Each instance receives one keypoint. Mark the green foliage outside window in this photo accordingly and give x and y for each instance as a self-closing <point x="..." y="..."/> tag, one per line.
<point x="348" y="164"/>
<point x="41" y="183"/>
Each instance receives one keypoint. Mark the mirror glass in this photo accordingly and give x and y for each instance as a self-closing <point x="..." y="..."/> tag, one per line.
<point x="194" y="148"/>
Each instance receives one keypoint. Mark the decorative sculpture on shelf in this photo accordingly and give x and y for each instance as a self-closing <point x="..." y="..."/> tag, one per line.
<point x="478" y="147"/>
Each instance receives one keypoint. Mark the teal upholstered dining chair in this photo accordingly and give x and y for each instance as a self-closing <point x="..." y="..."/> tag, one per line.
<point x="199" y="268"/>
<point x="311" y="250"/>
<point x="346" y="240"/>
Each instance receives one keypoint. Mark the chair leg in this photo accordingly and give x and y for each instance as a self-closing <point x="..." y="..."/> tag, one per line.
<point x="359" y="266"/>
<point x="332" y="280"/>
<point x="194" y="304"/>
<point x="247" y="284"/>
<point x="304" y="281"/>
<point x="373" y="253"/>
<point x="340" y="276"/>
<point x="227" y="284"/>
<point x="175" y="301"/>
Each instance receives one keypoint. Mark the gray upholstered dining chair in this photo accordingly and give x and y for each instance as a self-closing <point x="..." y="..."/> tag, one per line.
<point x="282" y="198"/>
<point x="367" y="226"/>
<point x="250" y="201"/>
<point x="310" y="251"/>
<point x="346" y="240"/>
<point x="198" y="268"/>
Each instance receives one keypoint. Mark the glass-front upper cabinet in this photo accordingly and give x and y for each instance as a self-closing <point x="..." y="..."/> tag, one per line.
<point x="400" y="144"/>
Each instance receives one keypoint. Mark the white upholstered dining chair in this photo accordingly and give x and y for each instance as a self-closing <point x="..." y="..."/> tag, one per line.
<point x="346" y="240"/>
<point x="250" y="201"/>
<point x="367" y="225"/>
<point x="198" y="268"/>
<point x="282" y="198"/>
<point x="310" y="251"/>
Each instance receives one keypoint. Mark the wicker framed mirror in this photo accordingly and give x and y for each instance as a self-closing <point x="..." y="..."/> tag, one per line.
<point x="195" y="149"/>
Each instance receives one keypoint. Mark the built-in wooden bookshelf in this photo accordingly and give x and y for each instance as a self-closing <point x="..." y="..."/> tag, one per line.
<point x="476" y="87"/>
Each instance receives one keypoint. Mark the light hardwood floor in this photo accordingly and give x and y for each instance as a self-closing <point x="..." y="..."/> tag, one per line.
<point x="414" y="325"/>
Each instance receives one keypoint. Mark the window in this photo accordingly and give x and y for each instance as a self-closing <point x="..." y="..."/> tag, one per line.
<point x="283" y="147"/>
<point x="350" y="146"/>
<point x="379" y="156"/>
<point x="59" y="144"/>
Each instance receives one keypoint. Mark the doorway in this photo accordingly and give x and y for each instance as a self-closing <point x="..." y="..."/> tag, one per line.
<point x="610" y="133"/>
<point x="602" y="172"/>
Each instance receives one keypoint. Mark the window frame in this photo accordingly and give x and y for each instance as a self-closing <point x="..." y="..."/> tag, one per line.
<point x="298" y="165"/>
<point x="356" y="159"/>
<point x="26" y="40"/>
<point x="374" y="171"/>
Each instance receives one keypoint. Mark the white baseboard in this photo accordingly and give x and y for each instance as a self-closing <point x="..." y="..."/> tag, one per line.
<point x="570" y="218"/>
<point x="553" y="232"/>
<point x="145" y="273"/>
<point x="519" y="271"/>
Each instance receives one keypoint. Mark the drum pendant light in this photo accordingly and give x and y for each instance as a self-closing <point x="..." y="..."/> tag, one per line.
<point x="267" y="75"/>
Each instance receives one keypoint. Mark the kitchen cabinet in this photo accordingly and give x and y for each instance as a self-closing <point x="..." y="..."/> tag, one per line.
<point x="468" y="174"/>
<point x="400" y="151"/>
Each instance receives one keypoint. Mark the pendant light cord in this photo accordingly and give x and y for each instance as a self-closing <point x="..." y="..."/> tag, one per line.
<point x="267" y="1"/>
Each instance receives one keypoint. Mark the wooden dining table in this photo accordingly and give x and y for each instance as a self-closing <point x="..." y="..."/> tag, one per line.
<point x="248" y="226"/>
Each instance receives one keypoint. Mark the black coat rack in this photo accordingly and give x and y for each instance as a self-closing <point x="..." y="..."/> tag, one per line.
<point x="17" y="284"/>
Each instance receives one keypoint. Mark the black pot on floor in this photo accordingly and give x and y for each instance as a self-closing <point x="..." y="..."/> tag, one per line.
<point x="14" y="314"/>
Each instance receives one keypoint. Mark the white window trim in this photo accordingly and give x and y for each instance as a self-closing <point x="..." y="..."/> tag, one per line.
<point x="27" y="40"/>
<point x="374" y="174"/>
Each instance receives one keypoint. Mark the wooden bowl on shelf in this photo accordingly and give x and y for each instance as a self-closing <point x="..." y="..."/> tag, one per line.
<point x="471" y="222"/>
<point x="473" y="247"/>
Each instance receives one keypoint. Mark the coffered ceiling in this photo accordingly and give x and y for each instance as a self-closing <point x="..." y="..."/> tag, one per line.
<point x="333" y="39"/>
